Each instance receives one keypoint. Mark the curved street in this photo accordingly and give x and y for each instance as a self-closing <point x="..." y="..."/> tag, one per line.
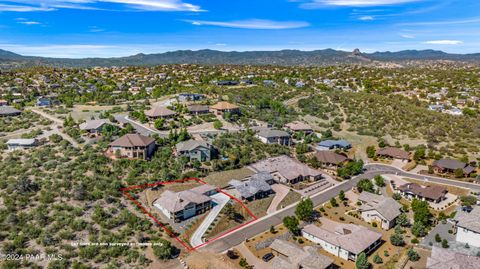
<point x="371" y="170"/>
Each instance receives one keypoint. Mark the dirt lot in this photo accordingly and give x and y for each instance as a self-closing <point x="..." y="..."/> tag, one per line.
<point x="199" y="260"/>
<point x="259" y="207"/>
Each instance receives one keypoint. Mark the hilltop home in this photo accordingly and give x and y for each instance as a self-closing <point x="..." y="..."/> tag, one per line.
<point x="467" y="226"/>
<point x="331" y="159"/>
<point x="442" y="258"/>
<point x="19" y="144"/>
<point x="186" y="97"/>
<point x="343" y="240"/>
<point x="379" y="209"/>
<point x="298" y="126"/>
<point x="195" y="150"/>
<point x="133" y="146"/>
<point x="257" y="187"/>
<point x="450" y="166"/>
<point x="185" y="204"/>
<point x="221" y="108"/>
<point x="334" y="144"/>
<point x="93" y="126"/>
<point x="286" y="170"/>
<point x="197" y="109"/>
<point x="433" y="193"/>
<point x="6" y="111"/>
<point x="394" y="153"/>
<point x="290" y="256"/>
<point x="274" y="137"/>
<point x="3" y="102"/>
<point x="42" y="101"/>
<point x="160" y="112"/>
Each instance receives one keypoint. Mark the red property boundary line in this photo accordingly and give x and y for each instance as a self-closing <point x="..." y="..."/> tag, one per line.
<point x="125" y="192"/>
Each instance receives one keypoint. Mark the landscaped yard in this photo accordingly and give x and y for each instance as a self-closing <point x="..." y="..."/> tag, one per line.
<point x="221" y="179"/>
<point x="224" y="223"/>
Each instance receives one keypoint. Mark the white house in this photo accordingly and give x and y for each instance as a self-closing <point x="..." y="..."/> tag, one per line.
<point x="14" y="144"/>
<point x="468" y="227"/>
<point x="379" y="209"/>
<point x="346" y="241"/>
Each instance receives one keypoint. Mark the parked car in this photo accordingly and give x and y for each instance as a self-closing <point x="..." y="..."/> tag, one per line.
<point x="267" y="257"/>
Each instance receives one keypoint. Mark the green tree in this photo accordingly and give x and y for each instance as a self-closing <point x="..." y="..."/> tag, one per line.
<point x="438" y="239"/>
<point x="291" y="223"/>
<point x="418" y="229"/>
<point x="421" y="212"/>
<point x="377" y="259"/>
<point x="379" y="181"/>
<point x="341" y="195"/>
<point x="304" y="210"/>
<point x="365" y="185"/>
<point x="413" y="255"/>
<point x="362" y="261"/>
<point x="468" y="200"/>
<point x="217" y="124"/>
<point x="371" y="153"/>
<point x="159" y="123"/>
<point x="397" y="239"/>
<point x="445" y="243"/>
<point x="162" y="249"/>
<point x="333" y="202"/>
<point x="403" y="220"/>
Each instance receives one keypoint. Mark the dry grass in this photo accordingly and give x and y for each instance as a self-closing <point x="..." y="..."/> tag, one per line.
<point x="291" y="198"/>
<point x="221" y="179"/>
<point x="259" y="207"/>
<point x="199" y="260"/>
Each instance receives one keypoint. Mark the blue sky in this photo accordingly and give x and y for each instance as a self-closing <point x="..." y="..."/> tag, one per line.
<point x="106" y="28"/>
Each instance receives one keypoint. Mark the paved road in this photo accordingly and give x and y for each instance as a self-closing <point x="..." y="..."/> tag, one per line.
<point x="263" y="224"/>
<point x="221" y="200"/>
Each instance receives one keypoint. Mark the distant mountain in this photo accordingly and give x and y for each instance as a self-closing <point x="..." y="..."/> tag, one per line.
<point x="213" y="57"/>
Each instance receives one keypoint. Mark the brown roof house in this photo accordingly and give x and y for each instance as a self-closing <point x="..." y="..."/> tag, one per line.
<point x="132" y="146"/>
<point x="298" y="126"/>
<point x="160" y="112"/>
<point x="379" y="209"/>
<point x="450" y="166"/>
<point x="331" y="159"/>
<point x="223" y="107"/>
<point x="291" y="256"/>
<point x="343" y="240"/>
<point x="394" y="153"/>
<point x="286" y="170"/>
<point x="185" y="204"/>
<point x="197" y="109"/>
<point x="431" y="193"/>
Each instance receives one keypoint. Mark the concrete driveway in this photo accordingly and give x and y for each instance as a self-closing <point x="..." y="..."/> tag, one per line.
<point x="280" y="192"/>
<point x="220" y="200"/>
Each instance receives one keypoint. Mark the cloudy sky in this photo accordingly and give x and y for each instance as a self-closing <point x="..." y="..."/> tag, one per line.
<point x="106" y="28"/>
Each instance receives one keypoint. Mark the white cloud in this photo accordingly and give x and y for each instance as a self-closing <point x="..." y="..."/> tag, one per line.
<point x="49" y="5"/>
<point x="354" y="3"/>
<point x="444" y="42"/>
<point x="253" y="24"/>
<point x="366" y="18"/>
<point x="409" y="36"/>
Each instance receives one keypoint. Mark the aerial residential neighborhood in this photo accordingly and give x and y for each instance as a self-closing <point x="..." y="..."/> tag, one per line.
<point x="275" y="134"/>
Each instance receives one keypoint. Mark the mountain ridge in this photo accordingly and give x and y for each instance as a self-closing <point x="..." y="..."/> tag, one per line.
<point x="292" y="57"/>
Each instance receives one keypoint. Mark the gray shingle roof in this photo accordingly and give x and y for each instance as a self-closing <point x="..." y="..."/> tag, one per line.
<point x="447" y="259"/>
<point x="93" y="124"/>
<point x="132" y="140"/>
<point x="307" y="257"/>
<point x="470" y="221"/>
<point x="8" y="110"/>
<point x="253" y="186"/>
<point x="385" y="206"/>
<point x="273" y="133"/>
<point x="190" y="145"/>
